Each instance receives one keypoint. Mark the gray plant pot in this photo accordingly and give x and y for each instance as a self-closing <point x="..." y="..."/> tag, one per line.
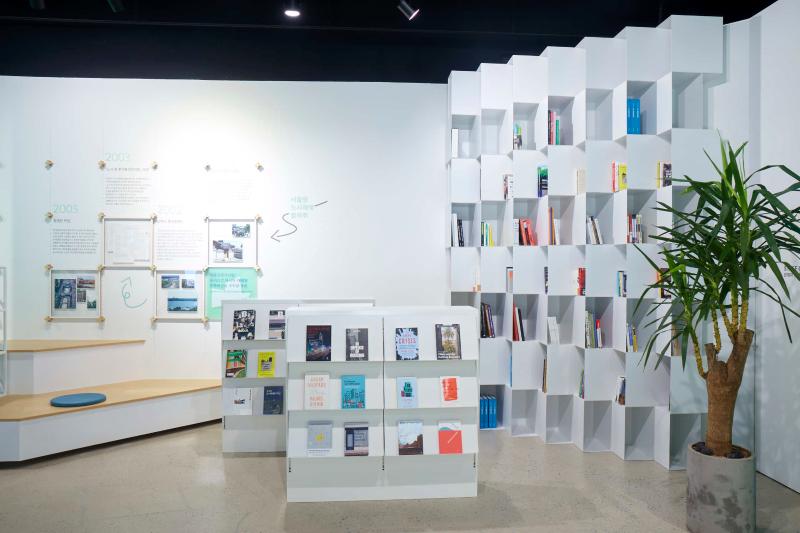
<point x="721" y="494"/>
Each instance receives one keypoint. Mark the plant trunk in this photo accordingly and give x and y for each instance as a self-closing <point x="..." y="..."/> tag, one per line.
<point x="722" y="383"/>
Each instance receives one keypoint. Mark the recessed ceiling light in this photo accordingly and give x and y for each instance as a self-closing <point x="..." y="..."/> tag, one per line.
<point x="291" y="9"/>
<point x="407" y="10"/>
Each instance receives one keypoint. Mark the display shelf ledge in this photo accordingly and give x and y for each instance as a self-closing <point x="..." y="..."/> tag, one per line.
<point x="53" y="345"/>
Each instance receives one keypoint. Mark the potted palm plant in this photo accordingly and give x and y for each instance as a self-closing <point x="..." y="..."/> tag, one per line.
<point x="737" y="239"/>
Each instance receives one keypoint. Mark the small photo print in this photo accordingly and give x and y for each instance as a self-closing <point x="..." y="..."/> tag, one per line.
<point x="91" y="303"/>
<point x="81" y="296"/>
<point x="228" y="251"/>
<point x="244" y="324"/>
<point x="187" y="283"/>
<point x="181" y="303"/>
<point x="65" y="293"/>
<point x="170" y="281"/>
<point x="86" y="283"/>
<point x="240" y="231"/>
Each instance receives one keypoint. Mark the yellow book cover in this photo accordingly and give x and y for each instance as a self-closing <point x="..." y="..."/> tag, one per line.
<point x="491" y="236"/>
<point x="623" y="176"/>
<point x="266" y="364"/>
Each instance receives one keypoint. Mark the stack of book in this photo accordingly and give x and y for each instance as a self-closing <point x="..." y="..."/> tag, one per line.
<point x="634" y="116"/>
<point x="664" y="174"/>
<point x="518" y="330"/>
<point x="635" y="234"/>
<point x="622" y="283"/>
<point x="546" y="281"/>
<point x="488" y="410"/>
<point x="456" y="232"/>
<point x="517" y="136"/>
<point x="541" y="186"/>
<point x="619" y="176"/>
<point x="594" y="335"/>
<point x="487" y="323"/>
<point x="580" y="180"/>
<point x="581" y="281"/>
<point x="487" y="234"/>
<point x="620" y="396"/>
<point x="593" y="234"/>
<point x="523" y="232"/>
<point x="553" y="128"/>
<point x="631" y="342"/>
<point x="554" y="227"/>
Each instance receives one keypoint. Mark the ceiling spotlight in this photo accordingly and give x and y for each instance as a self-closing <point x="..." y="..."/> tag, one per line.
<point x="407" y="10"/>
<point x="291" y="9"/>
<point x="116" y="6"/>
<point x="37" y="4"/>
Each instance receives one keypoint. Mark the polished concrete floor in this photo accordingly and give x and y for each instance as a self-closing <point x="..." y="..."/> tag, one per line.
<point x="179" y="481"/>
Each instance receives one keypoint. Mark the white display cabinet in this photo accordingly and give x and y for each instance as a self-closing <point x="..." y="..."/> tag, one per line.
<point x="464" y="102"/>
<point x="465" y="181"/>
<point x="588" y="87"/>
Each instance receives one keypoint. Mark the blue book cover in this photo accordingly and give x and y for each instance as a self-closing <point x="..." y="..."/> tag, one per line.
<point x="637" y="116"/>
<point x="353" y="392"/>
<point x="273" y="400"/>
<point x="629" y="108"/>
<point x="406" y="344"/>
<point x="493" y="411"/>
<point x="483" y="412"/>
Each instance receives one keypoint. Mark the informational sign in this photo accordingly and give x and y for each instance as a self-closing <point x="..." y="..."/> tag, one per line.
<point x="228" y="284"/>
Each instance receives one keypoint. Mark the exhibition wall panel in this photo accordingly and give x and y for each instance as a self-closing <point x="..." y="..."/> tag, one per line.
<point x="343" y="182"/>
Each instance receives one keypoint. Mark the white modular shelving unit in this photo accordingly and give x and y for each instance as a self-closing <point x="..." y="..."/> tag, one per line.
<point x="383" y="473"/>
<point x="257" y="432"/>
<point x="669" y="69"/>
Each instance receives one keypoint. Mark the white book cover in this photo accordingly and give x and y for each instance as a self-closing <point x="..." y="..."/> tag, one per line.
<point x="552" y="330"/>
<point x="590" y="231"/>
<point x="597" y="231"/>
<point x="320" y="439"/>
<point x="237" y="401"/>
<point x="516" y="232"/>
<point x="317" y="390"/>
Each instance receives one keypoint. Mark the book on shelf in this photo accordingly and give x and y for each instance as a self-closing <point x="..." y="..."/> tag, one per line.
<point x="517" y="141"/>
<point x="619" y="176"/>
<point x="676" y="341"/>
<point x="518" y="328"/>
<point x="273" y="400"/>
<point x="580" y="180"/>
<point x="482" y="411"/>
<point x="581" y="281"/>
<point x="635" y="231"/>
<point x="316" y="390"/>
<point x="407" y="392"/>
<point x="448" y="341"/>
<point x="517" y="228"/>
<point x="593" y="233"/>
<point x="454" y="140"/>
<point x="663" y="174"/>
<point x="450" y="437"/>
<point x="542" y="181"/>
<point x="554" y="227"/>
<point x="661" y="275"/>
<point x="508" y="186"/>
<point x="455" y="240"/>
<point x="266" y="364"/>
<point x="409" y="437"/>
<point x="594" y="333"/>
<point x="634" y="116"/>
<point x="487" y="234"/>
<point x="631" y="340"/>
<point x="487" y="322"/>
<point x="620" y="394"/>
<point x="523" y="232"/>
<point x="581" y="391"/>
<point x="544" y="374"/>
<point x="357" y="344"/>
<point x="406" y="344"/>
<point x="553" y="128"/>
<point x="450" y="388"/>
<point x="356" y="439"/>
<point x="509" y="279"/>
<point x="354" y="394"/>
<point x="546" y="281"/>
<point x="237" y="401"/>
<point x="277" y="325"/>
<point x="236" y="364"/>
<point x="622" y="283"/>
<point x="320" y="438"/>
<point x="552" y="330"/>
<point x="244" y="324"/>
<point x="488" y="411"/>
<point x="318" y="343"/>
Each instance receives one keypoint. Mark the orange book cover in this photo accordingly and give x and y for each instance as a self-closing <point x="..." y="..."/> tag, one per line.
<point x="449" y="389"/>
<point x="450" y="437"/>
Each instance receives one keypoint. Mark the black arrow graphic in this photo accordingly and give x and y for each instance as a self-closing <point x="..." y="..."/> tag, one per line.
<point x="321" y="203"/>
<point x="275" y="235"/>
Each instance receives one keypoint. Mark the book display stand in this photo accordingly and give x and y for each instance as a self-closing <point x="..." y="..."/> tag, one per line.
<point x="578" y="144"/>
<point x="254" y="371"/>
<point x="382" y="403"/>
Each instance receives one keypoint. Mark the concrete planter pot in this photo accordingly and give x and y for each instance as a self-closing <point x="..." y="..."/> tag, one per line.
<point x="721" y="494"/>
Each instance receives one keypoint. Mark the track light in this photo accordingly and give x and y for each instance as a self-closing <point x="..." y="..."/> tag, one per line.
<point x="291" y="9"/>
<point x="37" y="4"/>
<point x="116" y="6"/>
<point x="407" y="10"/>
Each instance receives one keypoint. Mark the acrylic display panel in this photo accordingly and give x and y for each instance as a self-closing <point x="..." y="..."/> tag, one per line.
<point x="233" y="243"/>
<point x="75" y="294"/>
<point x="127" y="243"/>
<point x="179" y="294"/>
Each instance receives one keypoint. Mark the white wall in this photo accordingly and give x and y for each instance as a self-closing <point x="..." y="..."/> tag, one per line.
<point x="373" y="151"/>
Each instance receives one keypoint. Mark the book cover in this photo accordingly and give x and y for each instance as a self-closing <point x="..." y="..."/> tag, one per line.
<point x="448" y="341"/>
<point x="406" y="344"/>
<point x="450" y="437"/>
<point x="407" y="393"/>
<point x="356" y="439"/>
<point x="353" y="392"/>
<point x="450" y="386"/>
<point x="237" y="401"/>
<point x="409" y="437"/>
<point x="318" y="343"/>
<point x="552" y="330"/>
<point x="357" y="344"/>
<point x="273" y="400"/>
<point x="316" y="390"/>
<point x="320" y="439"/>
<point x="244" y="324"/>
<point x="236" y="364"/>
<point x="266" y="364"/>
<point x="277" y="324"/>
<point x="620" y="396"/>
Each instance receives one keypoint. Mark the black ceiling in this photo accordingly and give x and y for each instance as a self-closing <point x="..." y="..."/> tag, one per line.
<point x="342" y="40"/>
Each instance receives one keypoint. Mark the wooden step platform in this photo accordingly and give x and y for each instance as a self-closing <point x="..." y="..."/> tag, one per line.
<point x="53" y="345"/>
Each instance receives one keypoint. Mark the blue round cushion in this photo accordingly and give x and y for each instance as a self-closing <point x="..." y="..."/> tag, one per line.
<point x="78" y="400"/>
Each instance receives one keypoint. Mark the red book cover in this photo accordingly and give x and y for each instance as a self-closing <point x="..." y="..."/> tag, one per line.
<point x="529" y="231"/>
<point x="450" y="438"/>
<point x="515" y="332"/>
<point x="449" y="389"/>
